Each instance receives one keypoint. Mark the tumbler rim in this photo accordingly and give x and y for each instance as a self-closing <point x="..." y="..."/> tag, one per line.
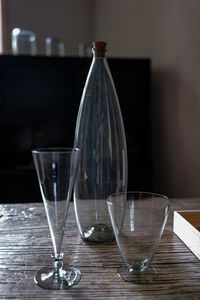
<point x="156" y="195"/>
<point x="54" y="150"/>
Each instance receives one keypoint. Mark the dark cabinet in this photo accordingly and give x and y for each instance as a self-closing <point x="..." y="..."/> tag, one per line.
<point x="39" y="101"/>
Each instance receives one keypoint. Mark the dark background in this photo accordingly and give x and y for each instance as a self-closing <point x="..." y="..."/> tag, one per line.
<point x="39" y="101"/>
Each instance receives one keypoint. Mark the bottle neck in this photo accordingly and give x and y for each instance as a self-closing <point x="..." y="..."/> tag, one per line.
<point x="99" y="49"/>
<point x="99" y="54"/>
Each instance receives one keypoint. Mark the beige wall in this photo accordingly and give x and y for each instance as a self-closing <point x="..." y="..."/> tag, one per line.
<point x="167" y="31"/>
<point x="69" y="20"/>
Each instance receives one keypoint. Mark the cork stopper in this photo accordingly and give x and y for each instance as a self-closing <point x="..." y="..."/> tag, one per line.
<point x="99" y="49"/>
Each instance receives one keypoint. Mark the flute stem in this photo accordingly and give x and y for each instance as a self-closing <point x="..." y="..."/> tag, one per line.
<point x="57" y="265"/>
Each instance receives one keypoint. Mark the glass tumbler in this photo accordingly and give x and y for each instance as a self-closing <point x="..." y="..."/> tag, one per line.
<point x="138" y="221"/>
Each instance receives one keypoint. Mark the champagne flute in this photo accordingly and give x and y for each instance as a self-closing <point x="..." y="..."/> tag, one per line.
<point x="56" y="168"/>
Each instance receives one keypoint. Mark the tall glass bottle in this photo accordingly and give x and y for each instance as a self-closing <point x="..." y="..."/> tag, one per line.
<point x="101" y="139"/>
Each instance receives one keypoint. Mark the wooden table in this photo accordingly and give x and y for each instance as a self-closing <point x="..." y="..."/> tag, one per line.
<point x="25" y="247"/>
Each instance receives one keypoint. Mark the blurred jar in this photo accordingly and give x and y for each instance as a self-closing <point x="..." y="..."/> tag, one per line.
<point x="84" y="50"/>
<point x="54" y="47"/>
<point x="24" y="42"/>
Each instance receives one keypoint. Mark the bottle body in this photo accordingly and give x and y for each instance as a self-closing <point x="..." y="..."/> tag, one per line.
<point x="103" y="156"/>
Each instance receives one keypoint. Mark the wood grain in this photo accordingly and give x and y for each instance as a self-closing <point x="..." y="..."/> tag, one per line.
<point x="25" y="247"/>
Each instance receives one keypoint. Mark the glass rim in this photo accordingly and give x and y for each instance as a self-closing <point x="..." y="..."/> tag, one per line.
<point x="54" y="150"/>
<point x="134" y="193"/>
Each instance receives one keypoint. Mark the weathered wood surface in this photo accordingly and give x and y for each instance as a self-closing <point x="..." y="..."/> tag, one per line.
<point x="25" y="247"/>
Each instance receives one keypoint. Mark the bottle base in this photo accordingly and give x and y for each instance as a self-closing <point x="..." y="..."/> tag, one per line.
<point x="98" y="233"/>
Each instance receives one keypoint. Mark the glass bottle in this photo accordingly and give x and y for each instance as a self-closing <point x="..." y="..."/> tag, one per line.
<point x="101" y="138"/>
